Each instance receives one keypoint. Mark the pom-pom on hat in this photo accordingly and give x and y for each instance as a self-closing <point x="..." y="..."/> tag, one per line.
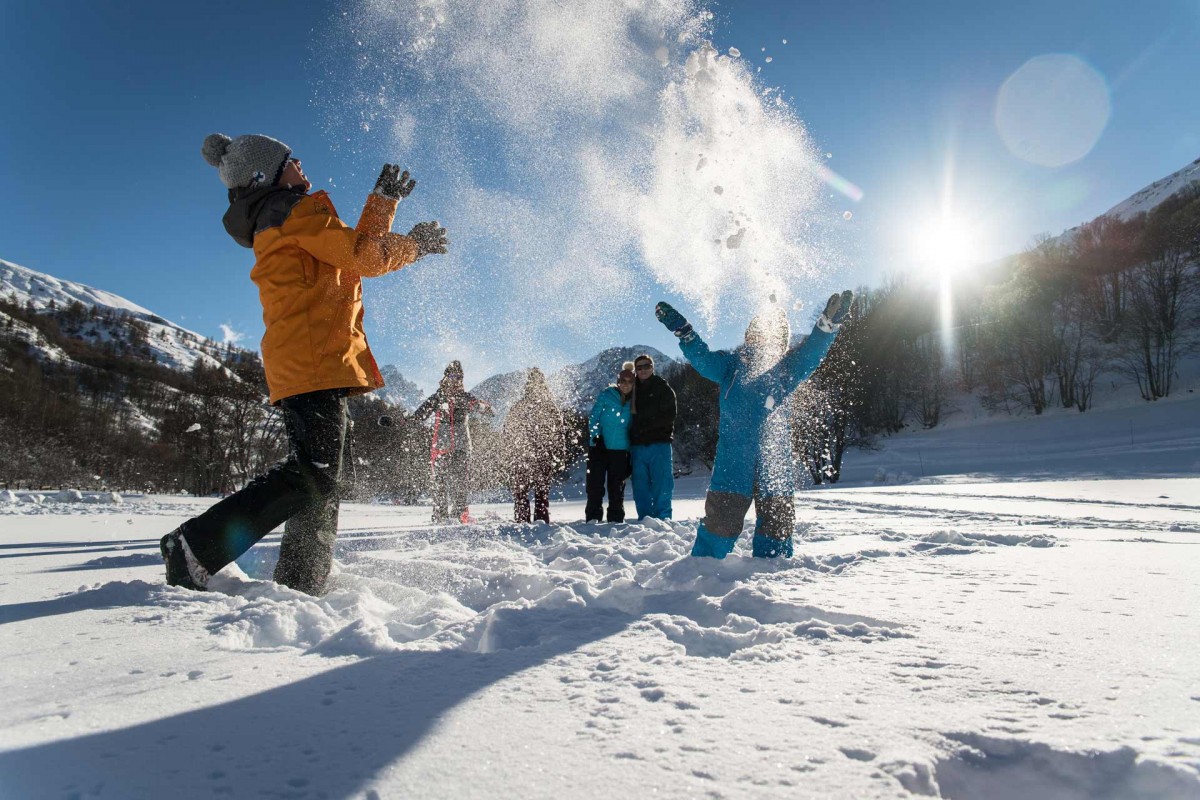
<point x="626" y="371"/>
<point x="252" y="160"/>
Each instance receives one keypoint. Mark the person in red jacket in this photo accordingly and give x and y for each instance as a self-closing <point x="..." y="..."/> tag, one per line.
<point x="308" y="269"/>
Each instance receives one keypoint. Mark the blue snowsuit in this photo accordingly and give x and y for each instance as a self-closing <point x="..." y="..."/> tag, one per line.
<point x="754" y="449"/>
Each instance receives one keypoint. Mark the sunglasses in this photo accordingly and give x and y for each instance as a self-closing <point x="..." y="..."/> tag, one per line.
<point x="644" y="367"/>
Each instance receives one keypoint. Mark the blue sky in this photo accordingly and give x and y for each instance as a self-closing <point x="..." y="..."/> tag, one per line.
<point x="106" y="106"/>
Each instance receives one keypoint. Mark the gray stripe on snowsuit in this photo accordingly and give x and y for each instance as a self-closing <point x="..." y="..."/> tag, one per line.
<point x="724" y="513"/>
<point x="776" y="516"/>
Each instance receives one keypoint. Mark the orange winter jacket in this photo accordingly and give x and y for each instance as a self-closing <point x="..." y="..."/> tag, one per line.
<point x="308" y="270"/>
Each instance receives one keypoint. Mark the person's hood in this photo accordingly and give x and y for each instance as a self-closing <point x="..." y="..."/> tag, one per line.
<point x="254" y="210"/>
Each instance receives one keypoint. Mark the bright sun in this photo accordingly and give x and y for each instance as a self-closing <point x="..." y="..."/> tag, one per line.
<point x="945" y="244"/>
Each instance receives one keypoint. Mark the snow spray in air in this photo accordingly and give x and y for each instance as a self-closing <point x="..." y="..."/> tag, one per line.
<point x="588" y="158"/>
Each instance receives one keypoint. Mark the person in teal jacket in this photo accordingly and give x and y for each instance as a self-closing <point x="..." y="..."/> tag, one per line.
<point x="608" y="448"/>
<point x="754" y="447"/>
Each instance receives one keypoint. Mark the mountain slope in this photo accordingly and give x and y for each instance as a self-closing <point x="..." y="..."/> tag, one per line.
<point x="1148" y="198"/>
<point x="109" y="318"/>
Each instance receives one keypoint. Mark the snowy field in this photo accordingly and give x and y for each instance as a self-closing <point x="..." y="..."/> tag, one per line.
<point x="959" y="639"/>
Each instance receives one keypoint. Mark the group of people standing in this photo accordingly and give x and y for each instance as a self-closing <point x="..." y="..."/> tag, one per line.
<point x="630" y="431"/>
<point x="309" y="267"/>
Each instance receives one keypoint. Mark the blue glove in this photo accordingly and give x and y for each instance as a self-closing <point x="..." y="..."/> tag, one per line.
<point x="673" y="320"/>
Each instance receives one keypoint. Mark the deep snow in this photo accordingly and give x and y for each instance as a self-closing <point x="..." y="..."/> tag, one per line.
<point x="1001" y="639"/>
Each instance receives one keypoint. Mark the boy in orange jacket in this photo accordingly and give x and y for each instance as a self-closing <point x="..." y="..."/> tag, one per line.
<point x="308" y="269"/>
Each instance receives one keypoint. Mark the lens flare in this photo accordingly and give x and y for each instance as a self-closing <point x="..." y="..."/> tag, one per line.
<point x="1053" y="110"/>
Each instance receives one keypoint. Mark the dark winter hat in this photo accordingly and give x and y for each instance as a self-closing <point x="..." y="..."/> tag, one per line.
<point x="252" y="160"/>
<point x="454" y="368"/>
<point x="644" y="357"/>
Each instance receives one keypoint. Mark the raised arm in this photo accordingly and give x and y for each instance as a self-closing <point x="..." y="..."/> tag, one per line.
<point x="710" y="365"/>
<point x="370" y="249"/>
<point x="423" y="411"/>
<point x="804" y="360"/>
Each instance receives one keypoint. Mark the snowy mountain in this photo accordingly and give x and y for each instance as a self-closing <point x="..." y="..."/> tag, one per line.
<point x="108" y="319"/>
<point x="575" y="385"/>
<point x="1154" y="194"/>
<point x="398" y="390"/>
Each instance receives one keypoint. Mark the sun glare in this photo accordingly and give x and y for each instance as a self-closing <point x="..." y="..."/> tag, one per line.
<point x="946" y="245"/>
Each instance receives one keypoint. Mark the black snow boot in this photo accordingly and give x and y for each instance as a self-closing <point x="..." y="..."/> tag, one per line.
<point x="183" y="569"/>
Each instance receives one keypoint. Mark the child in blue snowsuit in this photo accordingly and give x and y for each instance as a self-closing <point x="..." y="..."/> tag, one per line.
<point x="754" y="449"/>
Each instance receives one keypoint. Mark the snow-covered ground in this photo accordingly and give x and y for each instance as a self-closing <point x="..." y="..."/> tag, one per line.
<point x="989" y="639"/>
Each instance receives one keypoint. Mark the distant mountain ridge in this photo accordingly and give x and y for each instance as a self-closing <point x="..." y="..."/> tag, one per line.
<point x="1150" y="197"/>
<point x="162" y="341"/>
<point x="574" y="386"/>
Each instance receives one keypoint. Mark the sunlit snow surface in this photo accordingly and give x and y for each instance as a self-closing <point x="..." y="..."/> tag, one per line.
<point x="1019" y="639"/>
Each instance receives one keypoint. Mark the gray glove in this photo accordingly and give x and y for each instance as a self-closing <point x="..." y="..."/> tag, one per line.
<point x="836" y="311"/>
<point x="393" y="184"/>
<point x="430" y="238"/>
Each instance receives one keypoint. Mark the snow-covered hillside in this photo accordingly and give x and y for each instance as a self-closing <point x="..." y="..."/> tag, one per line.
<point x="165" y="342"/>
<point x="1154" y="194"/>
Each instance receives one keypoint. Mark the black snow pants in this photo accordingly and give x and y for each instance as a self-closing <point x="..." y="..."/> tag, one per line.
<point x="536" y="480"/>
<point x="450" y="483"/>
<point x="301" y="491"/>
<point x="606" y="469"/>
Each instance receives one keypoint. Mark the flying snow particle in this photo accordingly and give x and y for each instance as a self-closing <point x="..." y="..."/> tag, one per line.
<point x="785" y="41"/>
<point x="195" y="426"/>
<point x="734" y="52"/>
<point x="770" y="59"/>
<point x="719" y="189"/>
<point x="663" y="55"/>
<point x="846" y="215"/>
<point x="735" y="240"/>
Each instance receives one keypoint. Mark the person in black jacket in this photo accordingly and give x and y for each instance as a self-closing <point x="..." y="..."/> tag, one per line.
<point x="450" y="452"/>
<point x="650" y="439"/>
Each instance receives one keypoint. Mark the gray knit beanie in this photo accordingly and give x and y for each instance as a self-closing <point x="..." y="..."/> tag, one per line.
<point x="252" y="160"/>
